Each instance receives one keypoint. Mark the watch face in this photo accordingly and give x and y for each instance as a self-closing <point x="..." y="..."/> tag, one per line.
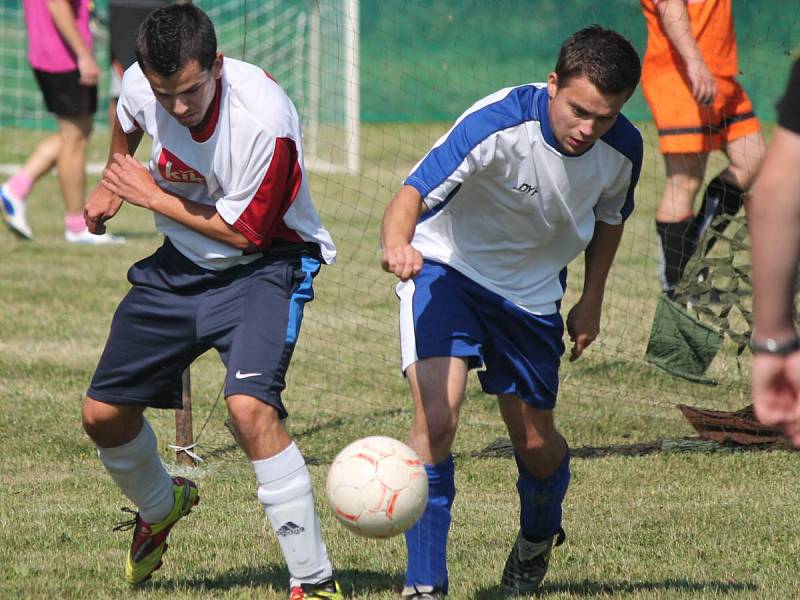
<point x="773" y="346"/>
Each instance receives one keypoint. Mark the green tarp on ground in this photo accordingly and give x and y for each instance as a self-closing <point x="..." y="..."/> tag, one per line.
<point x="680" y="344"/>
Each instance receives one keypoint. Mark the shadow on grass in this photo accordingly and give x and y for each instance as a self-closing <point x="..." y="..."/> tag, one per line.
<point x="589" y="588"/>
<point x="340" y="423"/>
<point x="502" y="448"/>
<point x="353" y="581"/>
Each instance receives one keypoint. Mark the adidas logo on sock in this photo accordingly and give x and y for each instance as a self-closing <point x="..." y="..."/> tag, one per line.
<point x="290" y="528"/>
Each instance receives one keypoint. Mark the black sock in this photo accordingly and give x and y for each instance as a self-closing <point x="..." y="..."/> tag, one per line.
<point x="678" y="241"/>
<point x="720" y="198"/>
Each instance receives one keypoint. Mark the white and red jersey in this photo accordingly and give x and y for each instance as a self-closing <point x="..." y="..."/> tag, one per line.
<point x="247" y="161"/>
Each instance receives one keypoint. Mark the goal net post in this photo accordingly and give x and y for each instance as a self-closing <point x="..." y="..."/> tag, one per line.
<point x="311" y="49"/>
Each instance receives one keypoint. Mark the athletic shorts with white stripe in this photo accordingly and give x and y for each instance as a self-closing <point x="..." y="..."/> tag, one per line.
<point x="445" y="313"/>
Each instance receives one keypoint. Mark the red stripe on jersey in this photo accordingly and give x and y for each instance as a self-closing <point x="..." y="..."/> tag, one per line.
<point x="262" y="220"/>
<point x="204" y="130"/>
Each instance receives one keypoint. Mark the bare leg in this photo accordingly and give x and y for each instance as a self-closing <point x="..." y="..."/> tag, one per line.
<point x="44" y="157"/>
<point x="437" y="387"/>
<point x="111" y="425"/>
<point x="259" y="431"/>
<point x="534" y="436"/>
<point x="745" y="155"/>
<point x="725" y="194"/>
<point x="71" y="162"/>
<point x="684" y="177"/>
<point x="16" y="190"/>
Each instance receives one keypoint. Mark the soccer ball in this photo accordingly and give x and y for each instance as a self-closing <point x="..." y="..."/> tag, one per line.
<point x="377" y="487"/>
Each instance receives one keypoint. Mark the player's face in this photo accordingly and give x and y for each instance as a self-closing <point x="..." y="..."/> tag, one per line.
<point x="187" y="94"/>
<point x="580" y="113"/>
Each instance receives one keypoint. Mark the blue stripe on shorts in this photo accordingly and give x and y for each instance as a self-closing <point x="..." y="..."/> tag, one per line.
<point x="304" y="292"/>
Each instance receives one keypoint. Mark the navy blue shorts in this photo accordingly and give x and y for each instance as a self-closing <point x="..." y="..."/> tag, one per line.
<point x="176" y="310"/>
<point x="445" y="313"/>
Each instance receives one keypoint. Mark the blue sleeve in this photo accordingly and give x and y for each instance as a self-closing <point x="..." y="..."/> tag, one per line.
<point x="626" y="139"/>
<point x="463" y="140"/>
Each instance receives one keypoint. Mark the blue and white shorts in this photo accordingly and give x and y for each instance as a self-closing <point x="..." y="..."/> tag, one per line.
<point x="176" y="311"/>
<point x="445" y="313"/>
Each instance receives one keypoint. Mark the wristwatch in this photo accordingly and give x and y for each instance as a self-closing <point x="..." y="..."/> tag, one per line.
<point x="773" y="346"/>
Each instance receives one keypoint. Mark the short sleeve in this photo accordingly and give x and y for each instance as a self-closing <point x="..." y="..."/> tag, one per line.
<point x="471" y="143"/>
<point x="135" y="94"/>
<point x="617" y="202"/>
<point x="265" y="187"/>
<point x="452" y="160"/>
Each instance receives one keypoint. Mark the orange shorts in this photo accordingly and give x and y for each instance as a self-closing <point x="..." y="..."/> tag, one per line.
<point x="686" y="127"/>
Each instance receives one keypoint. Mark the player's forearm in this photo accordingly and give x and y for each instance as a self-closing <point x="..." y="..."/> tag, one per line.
<point x="674" y="18"/>
<point x="64" y="20"/>
<point x="773" y="213"/>
<point x="599" y="257"/>
<point x="400" y="218"/>
<point x="202" y="218"/>
<point x="123" y="143"/>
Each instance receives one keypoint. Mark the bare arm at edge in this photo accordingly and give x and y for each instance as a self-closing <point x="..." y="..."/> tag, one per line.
<point x="397" y="230"/>
<point x="583" y="320"/>
<point x="674" y="18"/>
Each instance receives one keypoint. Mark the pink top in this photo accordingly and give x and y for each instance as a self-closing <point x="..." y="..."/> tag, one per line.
<point x="47" y="50"/>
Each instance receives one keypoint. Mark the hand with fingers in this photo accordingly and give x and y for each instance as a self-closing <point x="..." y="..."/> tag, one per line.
<point x="88" y="70"/>
<point x="101" y="206"/>
<point x="127" y="178"/>
<point x="404" y="261"/>
<point x="775" y="387"/>
<point x="703" y="83"/>
<point x="583" y="326"/>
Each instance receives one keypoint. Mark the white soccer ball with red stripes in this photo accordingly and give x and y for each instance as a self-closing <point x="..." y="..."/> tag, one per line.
<point x="377" y="487"/>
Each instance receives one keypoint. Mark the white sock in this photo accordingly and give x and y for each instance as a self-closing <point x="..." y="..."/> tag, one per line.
<point x="284" y="488"/>
<point x="137" y="470"/>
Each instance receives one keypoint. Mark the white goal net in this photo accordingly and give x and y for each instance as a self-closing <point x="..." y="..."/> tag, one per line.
<point x="309" y="47"/>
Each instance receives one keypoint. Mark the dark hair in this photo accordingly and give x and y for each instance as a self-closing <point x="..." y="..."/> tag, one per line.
<point x="174" y="35"/>
<point x="603" y="56"/>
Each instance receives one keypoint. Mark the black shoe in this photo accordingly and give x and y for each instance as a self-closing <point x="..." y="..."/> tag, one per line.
<point x="527" y="563"/>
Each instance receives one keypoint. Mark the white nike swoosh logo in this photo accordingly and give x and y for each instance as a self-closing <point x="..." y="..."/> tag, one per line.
<point x="240" y="375"/>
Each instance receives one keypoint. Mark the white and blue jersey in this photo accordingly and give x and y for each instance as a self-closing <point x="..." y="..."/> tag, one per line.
<point x="510" y="210"/>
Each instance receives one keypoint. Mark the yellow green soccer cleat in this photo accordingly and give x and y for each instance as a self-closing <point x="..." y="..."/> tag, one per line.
<point x="327" y="589"/>
<point x="150" y="539"/>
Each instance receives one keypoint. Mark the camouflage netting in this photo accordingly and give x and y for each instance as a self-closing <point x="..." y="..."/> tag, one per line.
<point x="712" y="301"/>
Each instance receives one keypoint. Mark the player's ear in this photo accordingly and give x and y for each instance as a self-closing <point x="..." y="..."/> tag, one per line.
<point x="552" y="85"/>
<point x="218" y="65"/>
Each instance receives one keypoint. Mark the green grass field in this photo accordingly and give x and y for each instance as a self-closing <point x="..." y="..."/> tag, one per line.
<point x="665" y="525"/>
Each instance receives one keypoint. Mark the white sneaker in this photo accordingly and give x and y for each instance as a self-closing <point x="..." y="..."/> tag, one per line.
<point x="84" y="237"/>
<point x="14" y="214"/>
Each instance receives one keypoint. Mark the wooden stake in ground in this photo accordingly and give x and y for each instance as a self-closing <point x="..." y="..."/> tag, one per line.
<point x="184" y="437"/>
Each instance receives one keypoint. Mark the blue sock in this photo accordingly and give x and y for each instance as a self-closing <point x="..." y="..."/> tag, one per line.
<point x="426" y="541"/>
<point x="540" y="500"/>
